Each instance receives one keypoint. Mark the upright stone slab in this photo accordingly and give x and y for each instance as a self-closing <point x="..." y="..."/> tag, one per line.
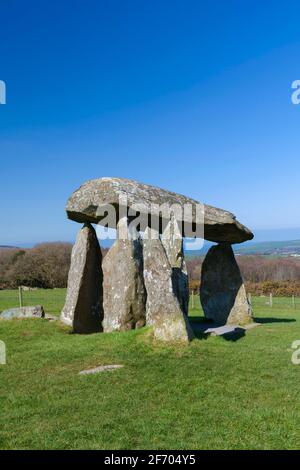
<point x="83" y="309"/>
<point x="173" y="244"/>
<point x="124" y="291"/>
<point x="162" y="309"/>
<point x="222" y="291"/>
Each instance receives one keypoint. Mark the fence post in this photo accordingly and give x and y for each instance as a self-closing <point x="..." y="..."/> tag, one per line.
<point x="193" y="303"/>
<point x="271" y="300"/>
<point x="250" y="299"/>
<point x="20" y="296"/>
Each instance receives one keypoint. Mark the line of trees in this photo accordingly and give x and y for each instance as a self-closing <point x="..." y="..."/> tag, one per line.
<point x="262" y="274"/>
<point x="44" y="266"/>
<point x="257" y="268"/>
<point x="47" y="266"/>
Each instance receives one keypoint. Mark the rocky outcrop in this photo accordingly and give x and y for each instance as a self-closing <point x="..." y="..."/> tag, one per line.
<point x="23" y="312"/>
<point x="83" y="309"/>
<point x="222" y="292"/>
<point x="92" y="200"/>
<point x="124" y="291"/>
<point x="173" y="245"/>
<point x="162" y="309"/>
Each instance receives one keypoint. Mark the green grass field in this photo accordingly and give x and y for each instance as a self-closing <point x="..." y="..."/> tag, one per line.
<point x="51" y="299"/>
<point x="235" y="393"/>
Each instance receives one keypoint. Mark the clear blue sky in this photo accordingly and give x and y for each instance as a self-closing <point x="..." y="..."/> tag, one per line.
<point x="193" y="96"/>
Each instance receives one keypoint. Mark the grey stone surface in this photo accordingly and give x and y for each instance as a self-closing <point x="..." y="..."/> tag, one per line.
<point x="124" y="293"/>
<point x="51" y="317"/>
<point x="96" y="370"/>
<point x="83" y="309"/>
<point x="23" y="312"/>
<point x="222" y="291"/>
<point x="173" y="245"/>
<point x="88" y="204"/>
<point x="225" y="329"/>
<point x="162" y="309"/>
<point x="228" y="332"/>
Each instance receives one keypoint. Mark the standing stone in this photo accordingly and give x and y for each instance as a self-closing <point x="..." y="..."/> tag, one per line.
<point x="162" y="309"/>
<point x="173" y="244"/>
<point x="83" y="309"/>
<point x="124" y="294"/>
<point x="222" y="291"/>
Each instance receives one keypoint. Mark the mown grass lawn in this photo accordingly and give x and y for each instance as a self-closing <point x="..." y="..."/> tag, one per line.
<point x="51" y="299"/>
<point x="235" y="393"/>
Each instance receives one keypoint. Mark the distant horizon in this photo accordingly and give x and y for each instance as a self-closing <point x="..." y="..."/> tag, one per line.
<point x="260" y="236"/>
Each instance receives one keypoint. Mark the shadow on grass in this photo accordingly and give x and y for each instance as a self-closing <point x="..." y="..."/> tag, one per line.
<point x="199" y="334"/>
<point x="274" y="320"/>
<point x="200" y="325"/>
<point x="235" y="335"/>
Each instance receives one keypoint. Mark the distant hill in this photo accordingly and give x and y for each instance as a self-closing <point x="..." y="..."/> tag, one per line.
<point x="268" y="248"/>
<point x="280" y="248"/>
<point x="274" y="248"/>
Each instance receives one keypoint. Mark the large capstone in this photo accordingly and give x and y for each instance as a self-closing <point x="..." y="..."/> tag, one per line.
<point x="83" y="309"/>
<point x="124" y="294"/>
<point x="162" y="309"/>
<point x="120" y="197"/>
<point x="222" y="291"/>
<point x="173" y="244"/>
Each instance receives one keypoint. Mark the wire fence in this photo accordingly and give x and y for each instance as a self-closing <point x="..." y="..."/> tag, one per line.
<point x="261" y="302"/>
<point x="272" y="302"/>
<point x="53" y="300"/>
